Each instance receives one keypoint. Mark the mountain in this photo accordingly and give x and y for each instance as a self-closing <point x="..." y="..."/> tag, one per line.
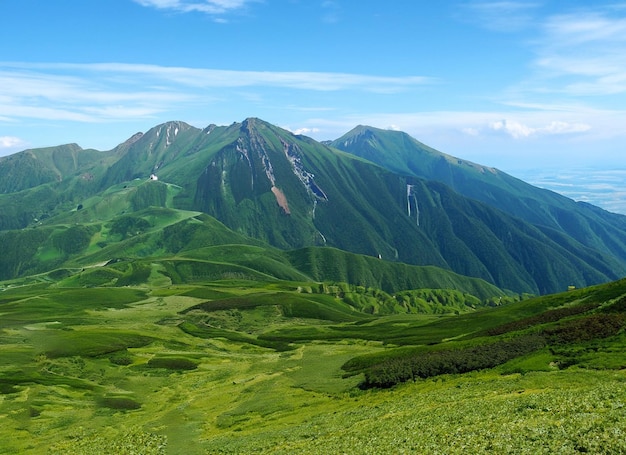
<point x="31" y="168"/>
<point x="550" y="212"/>
<point x="288" y="191"/>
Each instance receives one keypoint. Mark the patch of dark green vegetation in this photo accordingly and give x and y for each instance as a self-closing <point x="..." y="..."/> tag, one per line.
<point x="618" y="306"/>
<point x="10" y="380"/>
<point x="204" y="292"/>
<point x="594" y="326"/>
<point x="90" y="343"/>
<point x="395" y="370"/>
<point x="121" y="358"/>
<point x="128" y="225"/>
<point x="542" y="318"/>
<point x="119" y="403"/>
<point x="74" y="239"/>
<point x="292" y="305"/>
<point x="388" y="369"/>
<point x="208" y="332"/>
<point x="172" y="363"/>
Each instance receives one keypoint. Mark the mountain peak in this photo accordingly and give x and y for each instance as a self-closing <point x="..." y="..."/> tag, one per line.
<point x="171" y="127"/>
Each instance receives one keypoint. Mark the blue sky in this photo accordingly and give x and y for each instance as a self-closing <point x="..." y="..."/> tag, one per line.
<point x="517" y="85"/>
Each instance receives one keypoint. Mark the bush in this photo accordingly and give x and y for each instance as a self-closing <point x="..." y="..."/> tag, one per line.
<point x="121" y="358"/>
<point x="542" y="318"/>
<point x="74" y="239"/>
<point x="172" y="363"/>
<point x="586" y="328"/>
<point x="120" y="403"/>
<point x="410" y="367"/>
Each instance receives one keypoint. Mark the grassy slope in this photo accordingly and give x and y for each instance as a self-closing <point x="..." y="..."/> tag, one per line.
<point x="105" y="370"/>
<point x="135" y="220"/>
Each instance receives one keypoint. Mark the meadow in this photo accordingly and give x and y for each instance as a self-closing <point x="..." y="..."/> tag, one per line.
<point x="243" y="367"/>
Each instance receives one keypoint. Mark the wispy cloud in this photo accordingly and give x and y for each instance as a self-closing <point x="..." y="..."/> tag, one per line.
<point x="519" y="130"/>
<point x="331" y="11"/>
<point x="501" y="16"/>
<point x="113" y="91"/>
<point x="211" y="7"/>
<point x="581" y="54"/>
<point x="576" y="80"/>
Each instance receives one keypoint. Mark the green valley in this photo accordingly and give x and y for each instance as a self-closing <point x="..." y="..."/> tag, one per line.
<point x="241" y="290"/>
<point x="269" y="366"/>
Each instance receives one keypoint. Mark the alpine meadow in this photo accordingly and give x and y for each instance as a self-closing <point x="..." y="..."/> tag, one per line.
<point x="244" y="289"/>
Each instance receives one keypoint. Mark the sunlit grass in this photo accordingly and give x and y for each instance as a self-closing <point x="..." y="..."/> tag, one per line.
<point x="109" y="370"/>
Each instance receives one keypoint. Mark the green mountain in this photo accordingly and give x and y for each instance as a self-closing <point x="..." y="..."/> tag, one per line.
<point x="32" y="168"/>
<point x="264" y="183"/>
<point x="129" y="235"/>
<point x="552" y="213"/>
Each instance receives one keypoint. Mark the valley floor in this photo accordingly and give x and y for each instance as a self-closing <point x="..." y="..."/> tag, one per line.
<point x="269" y="405"/>
<point x="124" y="378"/>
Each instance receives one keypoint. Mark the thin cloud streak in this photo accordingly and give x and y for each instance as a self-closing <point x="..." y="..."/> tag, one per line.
<point x="213" y="78"/>
<point x="580" y="55"/>
<point x="212" y="7"/>
<point x="106" y="91"/>
<point x="500" y="16"/>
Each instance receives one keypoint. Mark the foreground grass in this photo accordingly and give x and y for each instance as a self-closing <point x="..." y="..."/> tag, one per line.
<point x="114" y="373"/>
<point x="557" y="412"/>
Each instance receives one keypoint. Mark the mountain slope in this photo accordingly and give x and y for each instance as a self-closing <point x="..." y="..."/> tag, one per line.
<point x="35" y="167"/>
<point x="549" y="211"/>
<point x="292" y="192"/>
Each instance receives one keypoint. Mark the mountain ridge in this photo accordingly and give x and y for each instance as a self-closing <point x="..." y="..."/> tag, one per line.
<point x="293" y="192"/>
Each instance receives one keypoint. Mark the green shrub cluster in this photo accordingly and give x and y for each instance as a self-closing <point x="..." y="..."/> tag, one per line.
<point x="128" y="225"/>
<point x="586" y="328"/>
<point x="137" y="273"/>
<point x="542" y="318"/>
<point x="618" y="306"/>
<point x="172" y="363"/>
<point x="73" y="239"/>
<point x="19" y="249"/>
<point x="410" y="367"/>
<point x="119" y="403"/>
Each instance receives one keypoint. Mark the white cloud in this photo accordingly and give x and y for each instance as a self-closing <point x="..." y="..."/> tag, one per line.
<point x="304" y="130"/>
<point x="213" y="7"/>
<point x="10" y="144"/>
<point x="581" y="54"/>
<point x="215" y="78"/>
<point x="113" y="91"/>
<point x="518" y="130"/>
<point x="471" y="131"/>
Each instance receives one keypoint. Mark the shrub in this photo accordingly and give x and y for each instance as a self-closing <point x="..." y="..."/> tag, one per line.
<point x="586" y="328"/>
<point x="120" y="403"/>
<point x="172" y="363"/>
<point x="542" y="318"/>
<point x="410" y="367"/>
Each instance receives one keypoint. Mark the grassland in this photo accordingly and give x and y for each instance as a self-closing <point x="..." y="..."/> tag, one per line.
<point x="240" y="367"/>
